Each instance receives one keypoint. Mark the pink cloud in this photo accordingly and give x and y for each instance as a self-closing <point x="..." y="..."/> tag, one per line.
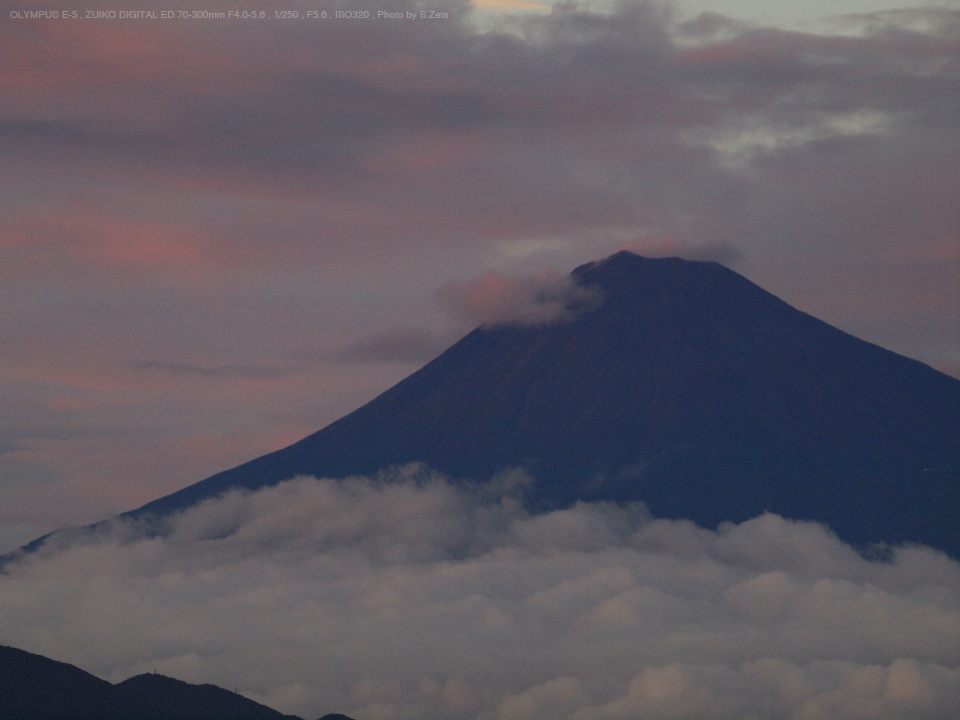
<point x="80" y="236"/>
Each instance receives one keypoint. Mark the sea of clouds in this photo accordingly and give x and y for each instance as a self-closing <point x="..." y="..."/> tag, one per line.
<point x="411" y="596"/>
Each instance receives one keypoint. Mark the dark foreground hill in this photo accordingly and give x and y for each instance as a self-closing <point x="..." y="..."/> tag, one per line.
<point x="33" y="687"/>
<point x="689" y="388"/>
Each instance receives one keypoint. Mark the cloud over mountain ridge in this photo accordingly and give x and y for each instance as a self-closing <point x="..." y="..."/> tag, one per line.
<point x="411" y="595"/>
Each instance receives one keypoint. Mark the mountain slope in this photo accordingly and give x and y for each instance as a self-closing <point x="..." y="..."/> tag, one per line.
<point x="33" y="687"/>
<point x="689" y="388"/>
<point x="157" y="697"/>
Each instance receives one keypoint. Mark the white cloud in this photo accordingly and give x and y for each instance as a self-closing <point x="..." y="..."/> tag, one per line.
<point x="418" y="598"/>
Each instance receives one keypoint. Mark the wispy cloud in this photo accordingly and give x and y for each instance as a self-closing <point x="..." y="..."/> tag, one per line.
<point x="248" y="372"/>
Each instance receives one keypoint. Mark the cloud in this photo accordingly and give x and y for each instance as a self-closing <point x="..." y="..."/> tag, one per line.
<point x="410" y="596"/>
<point x="83" y="239"/>
<point x="249" y="372"/>
<point x="494" y="299"/>
<point x="17" y="472"/>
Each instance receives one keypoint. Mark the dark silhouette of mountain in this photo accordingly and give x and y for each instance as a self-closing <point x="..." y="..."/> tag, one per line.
<point x="33" y="687"/>
<point x="157" y="697"/>
<point x="689" y="388"/>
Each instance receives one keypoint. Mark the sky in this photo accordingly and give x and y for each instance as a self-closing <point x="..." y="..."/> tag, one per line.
<point x="219" y="235"/>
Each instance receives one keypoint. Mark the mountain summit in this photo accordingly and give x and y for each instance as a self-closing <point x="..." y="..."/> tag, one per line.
<point x="689" y="388"/>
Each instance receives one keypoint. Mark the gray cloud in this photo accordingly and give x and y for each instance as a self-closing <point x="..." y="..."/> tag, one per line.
<point x="250" y="372"/>
<point x="9" y="443"/>
<point x="450" y="134"/>
<point x="494" y="299"/>
<point x="18" y="472"/>
<point x="420" y="598"/>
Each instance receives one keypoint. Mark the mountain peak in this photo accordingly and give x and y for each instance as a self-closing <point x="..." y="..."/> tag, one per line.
<point x="35" y="687"/>
<point x="626" y="261"/>
<point x="634" y="280"/>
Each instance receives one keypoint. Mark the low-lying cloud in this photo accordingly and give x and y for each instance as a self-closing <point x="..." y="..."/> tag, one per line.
<point x="421" y="598"/>
<point x="495" y="299"/>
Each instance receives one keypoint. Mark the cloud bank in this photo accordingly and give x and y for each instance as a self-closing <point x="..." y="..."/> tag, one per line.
<point x="420" y="598"/>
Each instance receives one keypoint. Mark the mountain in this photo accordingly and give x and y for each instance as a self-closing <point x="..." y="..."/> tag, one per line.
<point x="33" y="687"/>
<point x="689" y="388"/>
<point x="157" y="697"/>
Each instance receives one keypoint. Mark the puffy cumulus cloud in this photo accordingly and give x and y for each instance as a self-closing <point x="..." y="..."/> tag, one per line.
<point x="495" y="299"/>
<point x="408" y="596"/>
<point x="780" y="688"/>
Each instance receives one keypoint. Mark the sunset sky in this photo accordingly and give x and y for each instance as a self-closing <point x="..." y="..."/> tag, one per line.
<point x="217" y="236"/>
